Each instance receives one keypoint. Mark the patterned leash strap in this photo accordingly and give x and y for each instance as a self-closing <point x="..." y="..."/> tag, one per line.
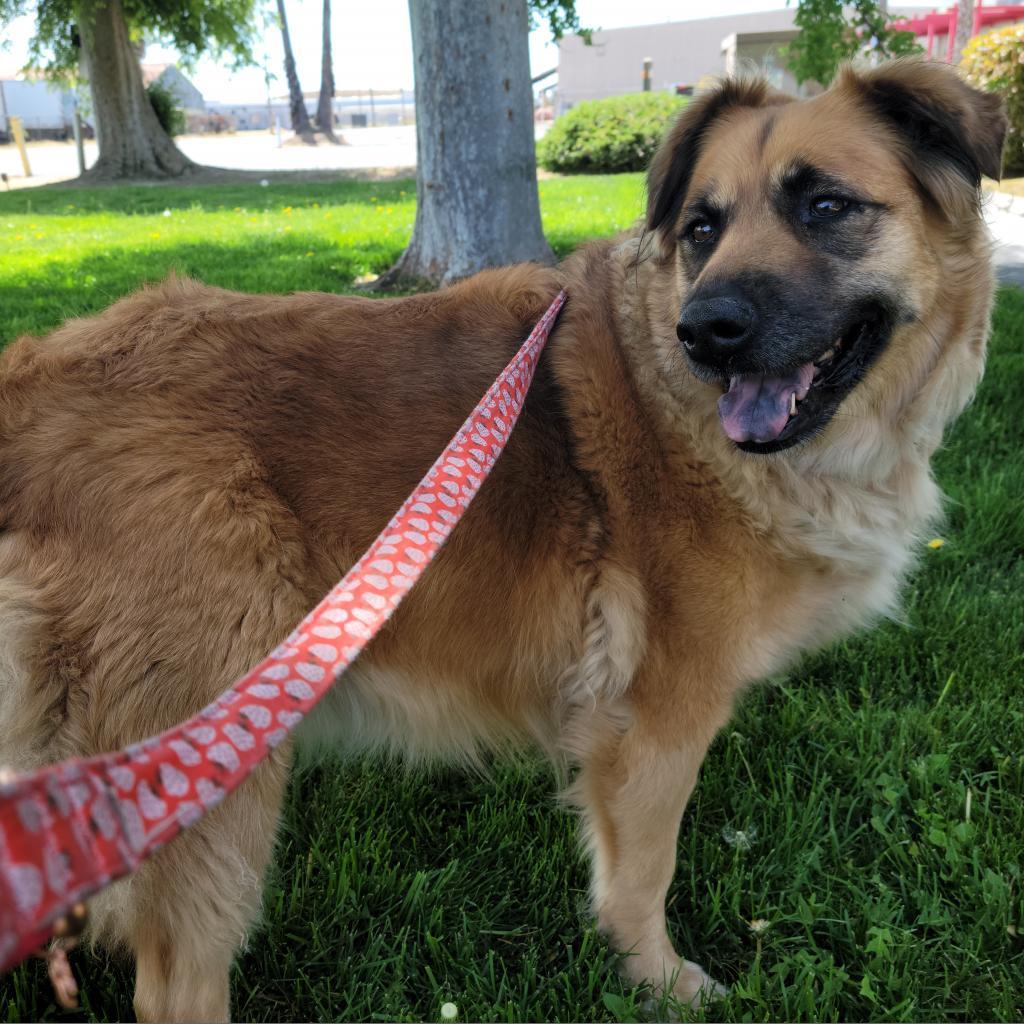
<point x="70" y="829"/>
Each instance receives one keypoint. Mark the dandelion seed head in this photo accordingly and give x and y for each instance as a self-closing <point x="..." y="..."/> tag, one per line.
<point x="740" y="839"/>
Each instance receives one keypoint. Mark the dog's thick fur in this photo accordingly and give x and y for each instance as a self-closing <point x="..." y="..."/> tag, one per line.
<point x="185" y="474"/>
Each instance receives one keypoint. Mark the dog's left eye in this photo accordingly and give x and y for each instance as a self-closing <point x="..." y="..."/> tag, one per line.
<point x="702" y="232"/>
<point x="828" y="206"/>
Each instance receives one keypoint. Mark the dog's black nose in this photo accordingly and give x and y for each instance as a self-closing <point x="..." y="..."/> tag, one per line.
<point x="715" y="329"/>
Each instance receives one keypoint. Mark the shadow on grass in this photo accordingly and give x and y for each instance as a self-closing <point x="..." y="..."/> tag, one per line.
<point x="49" y="294"/>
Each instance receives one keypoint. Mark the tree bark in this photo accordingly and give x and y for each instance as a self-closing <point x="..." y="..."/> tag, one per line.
<point x="297" y="104"/>
<point x="964" y="24"/>
<point x="132" y="144"/>
<point x="325" y="107"/>
<point x="476" y="170"/>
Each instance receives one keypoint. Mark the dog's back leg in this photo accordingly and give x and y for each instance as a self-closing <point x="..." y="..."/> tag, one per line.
<point x="186" y="913"/>
<point x="108" y="638"/>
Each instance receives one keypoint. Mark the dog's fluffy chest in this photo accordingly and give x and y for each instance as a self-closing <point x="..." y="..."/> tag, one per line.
<point x="849" y="549"/>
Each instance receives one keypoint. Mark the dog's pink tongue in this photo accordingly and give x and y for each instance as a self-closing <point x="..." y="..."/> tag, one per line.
<point x="756" y="408"/>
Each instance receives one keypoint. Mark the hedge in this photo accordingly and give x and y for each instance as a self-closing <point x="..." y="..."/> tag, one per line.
<point x="993" y="61"/>
<point x="620" y="133"/>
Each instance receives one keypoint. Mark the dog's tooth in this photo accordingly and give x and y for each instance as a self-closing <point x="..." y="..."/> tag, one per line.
<point x="792" y="403"/>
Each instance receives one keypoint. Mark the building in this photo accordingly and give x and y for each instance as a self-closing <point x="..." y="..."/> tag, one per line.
<point x="46" y="110"/>
<point x="682" y="54"/>
<point x="189" y="98"/>
<point x="352" y="109"/>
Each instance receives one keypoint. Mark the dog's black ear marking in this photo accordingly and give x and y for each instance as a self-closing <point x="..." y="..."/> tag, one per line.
<point x="951" y="134"/>
<point x="932" y="130"/>
<point x="673" y="164"/>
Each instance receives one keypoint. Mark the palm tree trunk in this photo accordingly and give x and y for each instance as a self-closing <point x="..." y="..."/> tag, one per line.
<point x="300" y="118"/>
<point x="964" y="24"/>
<point x="325" y="107"/>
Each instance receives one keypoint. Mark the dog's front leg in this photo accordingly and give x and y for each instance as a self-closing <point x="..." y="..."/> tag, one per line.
<point x="633" y="789"/>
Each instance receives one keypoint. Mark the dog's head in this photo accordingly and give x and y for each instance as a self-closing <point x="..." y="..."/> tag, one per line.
<point x="828" y="251"/>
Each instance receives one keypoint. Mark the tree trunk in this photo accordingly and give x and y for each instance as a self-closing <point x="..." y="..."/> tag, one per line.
<point x="132" y="144"/>
<point x="964" y="24"/>
<point x="325" y="107"/>
<point x="300" y="118"/>
<point x="476" y="170"/>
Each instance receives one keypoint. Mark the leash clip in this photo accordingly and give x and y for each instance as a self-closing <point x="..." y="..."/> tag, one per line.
<point x="67" y="931"/>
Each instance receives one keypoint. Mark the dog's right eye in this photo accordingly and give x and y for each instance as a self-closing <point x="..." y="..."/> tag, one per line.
<point x="702" y="232"/>
<point x="828" y="206"/>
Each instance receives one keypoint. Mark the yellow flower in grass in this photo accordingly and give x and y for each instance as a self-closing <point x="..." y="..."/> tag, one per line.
<point x="936" y="543"/>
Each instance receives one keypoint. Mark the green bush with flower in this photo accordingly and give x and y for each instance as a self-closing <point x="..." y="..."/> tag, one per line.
<point x="995" y="61"/>
<point x="620" y="133"/>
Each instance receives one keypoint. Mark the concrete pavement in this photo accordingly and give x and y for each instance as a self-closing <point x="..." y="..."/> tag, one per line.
<point x="1008" y="237"/>
<point x="244" y="151"/>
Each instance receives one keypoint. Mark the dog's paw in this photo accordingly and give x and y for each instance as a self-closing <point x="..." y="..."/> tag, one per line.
<point x="694" y="987"/>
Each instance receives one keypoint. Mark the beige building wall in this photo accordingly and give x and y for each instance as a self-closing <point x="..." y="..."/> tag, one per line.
<point x="682" y="52"/>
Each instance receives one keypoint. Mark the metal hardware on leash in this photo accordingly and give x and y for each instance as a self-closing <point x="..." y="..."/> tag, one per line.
<point x="66" y="932"/>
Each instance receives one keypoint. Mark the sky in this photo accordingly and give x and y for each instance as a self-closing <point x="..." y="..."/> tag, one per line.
<point x="372" y="45"/>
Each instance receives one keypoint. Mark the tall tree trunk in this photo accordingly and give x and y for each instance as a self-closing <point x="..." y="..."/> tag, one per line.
<point x="325" y="107"/>
<point x="476" y="170"/>
<point x="132" y="144"/>
<point x="964" y="24"/>
<point x="300" y="118"/>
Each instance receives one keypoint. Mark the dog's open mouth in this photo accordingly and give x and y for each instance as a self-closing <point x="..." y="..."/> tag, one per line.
<point x="767" y="413"/>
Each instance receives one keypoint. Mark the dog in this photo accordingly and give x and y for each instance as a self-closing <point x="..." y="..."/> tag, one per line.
<point x="723" y="463"/>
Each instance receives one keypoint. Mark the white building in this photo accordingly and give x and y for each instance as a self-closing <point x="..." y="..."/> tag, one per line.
<point x="46" y="110"/>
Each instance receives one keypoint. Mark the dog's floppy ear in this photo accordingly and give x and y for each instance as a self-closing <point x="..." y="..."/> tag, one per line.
<point x="951" y="134"/>
<point x="673" y="164"/>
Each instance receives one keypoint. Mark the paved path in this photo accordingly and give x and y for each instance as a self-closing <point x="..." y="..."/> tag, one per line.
<point x="244" y="151"/>
<point x="1008" y="234"/>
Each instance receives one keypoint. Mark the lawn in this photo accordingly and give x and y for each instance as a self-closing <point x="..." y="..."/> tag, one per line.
<point x="869" y="807"/>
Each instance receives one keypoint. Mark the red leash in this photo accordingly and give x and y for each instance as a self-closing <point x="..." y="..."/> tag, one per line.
<point x="70" y="829"/>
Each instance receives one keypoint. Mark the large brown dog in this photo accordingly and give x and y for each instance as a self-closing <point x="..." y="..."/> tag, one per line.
<point x="724" y="461"/>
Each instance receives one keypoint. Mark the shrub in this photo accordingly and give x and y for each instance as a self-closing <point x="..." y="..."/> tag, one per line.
<point x="165" y="106"/>
<point x="995" y="61"/>
<point x="607" y="136"/>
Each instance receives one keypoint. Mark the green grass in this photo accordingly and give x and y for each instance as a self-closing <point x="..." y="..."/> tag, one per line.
<point x="851" y="778"/>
